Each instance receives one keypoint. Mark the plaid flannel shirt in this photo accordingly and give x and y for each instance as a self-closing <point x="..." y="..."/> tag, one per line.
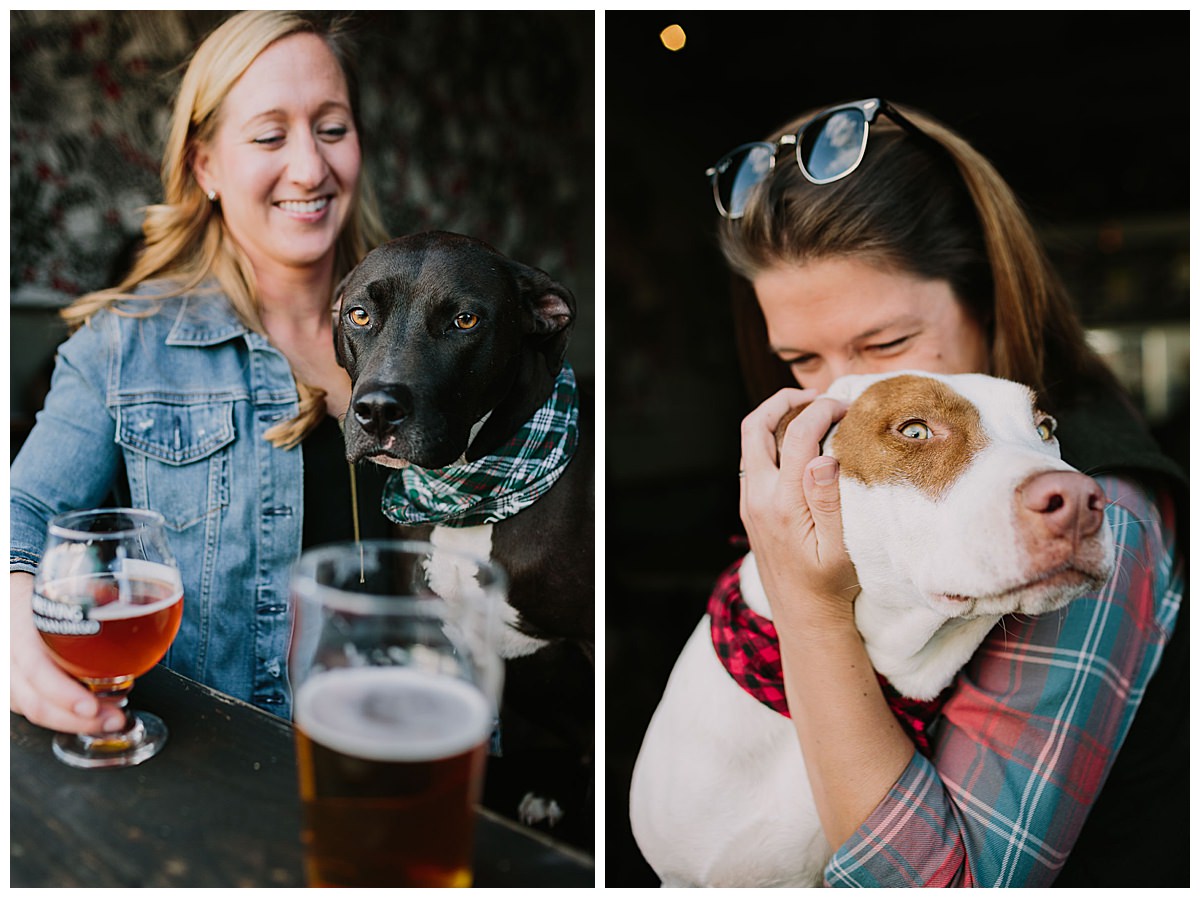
<point x="1028" y="736"/>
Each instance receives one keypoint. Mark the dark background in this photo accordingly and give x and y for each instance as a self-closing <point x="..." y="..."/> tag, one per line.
<point x="1086" y="115"/>
<point x="478" y="122"/>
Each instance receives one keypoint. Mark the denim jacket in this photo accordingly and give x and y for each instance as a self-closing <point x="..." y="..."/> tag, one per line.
<point x="181" y="398"/>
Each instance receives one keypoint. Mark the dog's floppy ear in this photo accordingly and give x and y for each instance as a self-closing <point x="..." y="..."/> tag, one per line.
<point x="782" y="426"/>
<point x="788" y="417"/>
<point x="846" y="388"/>
<point x="550" y="310"/>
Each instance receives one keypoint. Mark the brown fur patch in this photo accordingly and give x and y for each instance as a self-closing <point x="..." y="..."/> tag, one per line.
<point x="870" y="447"/>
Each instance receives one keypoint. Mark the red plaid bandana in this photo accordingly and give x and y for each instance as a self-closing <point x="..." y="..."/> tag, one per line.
<point x="748" y="646"/>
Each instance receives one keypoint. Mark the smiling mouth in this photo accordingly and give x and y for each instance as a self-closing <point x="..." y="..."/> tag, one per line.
<point x="304" y="207"/>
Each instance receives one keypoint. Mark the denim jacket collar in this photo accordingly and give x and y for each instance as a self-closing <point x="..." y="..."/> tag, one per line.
<point x="205" y="319"/>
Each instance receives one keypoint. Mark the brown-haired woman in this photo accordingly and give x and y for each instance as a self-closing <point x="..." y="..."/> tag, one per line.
<point x="907" y="250"/>
<point x="205" y="384"/>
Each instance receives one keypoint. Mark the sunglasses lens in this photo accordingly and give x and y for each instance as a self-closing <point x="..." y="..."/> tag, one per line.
<point x="831" y="147"/>
<point x="738" y="174"/>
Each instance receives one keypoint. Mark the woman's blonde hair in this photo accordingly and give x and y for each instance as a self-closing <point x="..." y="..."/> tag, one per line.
<point x="186" y="240"/>
<point x="938" y="212"/>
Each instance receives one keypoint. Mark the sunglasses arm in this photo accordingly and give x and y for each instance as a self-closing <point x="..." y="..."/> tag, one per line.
<point x="896" y="116"/>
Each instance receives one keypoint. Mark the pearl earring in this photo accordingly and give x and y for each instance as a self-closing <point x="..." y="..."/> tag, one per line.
<point x="212" y="196"/>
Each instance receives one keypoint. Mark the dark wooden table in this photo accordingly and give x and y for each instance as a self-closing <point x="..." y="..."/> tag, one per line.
<point x="218" y="807"/>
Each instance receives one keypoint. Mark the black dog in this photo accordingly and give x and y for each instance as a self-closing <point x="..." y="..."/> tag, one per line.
<point x="452" y="348"/>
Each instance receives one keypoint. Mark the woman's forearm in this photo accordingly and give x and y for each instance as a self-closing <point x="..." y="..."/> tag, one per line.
<point x="854" y="749"/>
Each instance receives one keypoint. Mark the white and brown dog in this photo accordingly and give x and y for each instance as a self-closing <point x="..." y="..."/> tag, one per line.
<point x="957" y="510"/>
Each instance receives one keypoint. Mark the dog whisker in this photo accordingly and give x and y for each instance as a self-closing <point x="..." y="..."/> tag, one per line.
<point x="1117" y="503"/>
<point x="1124" y="552"/>
<point x="1128" y="521"/>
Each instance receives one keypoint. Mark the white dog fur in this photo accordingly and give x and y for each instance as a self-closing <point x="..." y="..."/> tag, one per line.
<point x="932" y="471"/>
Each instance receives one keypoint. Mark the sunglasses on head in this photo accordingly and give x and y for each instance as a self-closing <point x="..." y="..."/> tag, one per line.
<point x="829" y="146"/>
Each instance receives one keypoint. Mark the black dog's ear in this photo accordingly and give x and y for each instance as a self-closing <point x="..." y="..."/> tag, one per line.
<point x="550" y="308"/>
<point x="549" y="316"/>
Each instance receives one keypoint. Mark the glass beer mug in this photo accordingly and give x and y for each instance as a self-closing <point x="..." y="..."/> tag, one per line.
<point x="396" y="681"/>
<point x="107" y="602"/>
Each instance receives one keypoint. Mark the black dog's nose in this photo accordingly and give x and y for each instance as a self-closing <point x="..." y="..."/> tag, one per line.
<point x="379" y="411"/>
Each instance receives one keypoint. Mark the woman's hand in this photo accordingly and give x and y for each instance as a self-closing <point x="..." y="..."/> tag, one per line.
<point x="791" y="507"/>
<point x="853" y="748"/>
<point x="39" y="688"/>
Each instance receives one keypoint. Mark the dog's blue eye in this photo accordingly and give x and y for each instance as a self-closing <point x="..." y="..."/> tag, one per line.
<point x="466" y="321"/>
<point x="1046" y="428"/>
<point x="916" y="430"/>
<point x="359" y="316"/>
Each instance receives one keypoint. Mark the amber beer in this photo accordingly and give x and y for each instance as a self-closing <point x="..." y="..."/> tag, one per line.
<point x="105" y="627"/>
<point x="390" y="764"/>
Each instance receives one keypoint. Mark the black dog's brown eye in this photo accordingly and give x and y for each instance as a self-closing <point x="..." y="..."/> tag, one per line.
<point x="359" y="316"/>
<point x="466" y="321"/>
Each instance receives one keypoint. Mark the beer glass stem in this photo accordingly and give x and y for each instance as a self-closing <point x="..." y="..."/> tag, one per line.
<point x="113" y="693"/>
<point x="142" y="736"/>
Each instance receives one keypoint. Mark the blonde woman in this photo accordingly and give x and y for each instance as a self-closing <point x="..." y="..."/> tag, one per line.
<point x="204" y="385"/>
<point x="873" y="238"/>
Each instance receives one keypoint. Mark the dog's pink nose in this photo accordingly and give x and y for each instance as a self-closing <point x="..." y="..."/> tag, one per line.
<point x="1065" y="503"/>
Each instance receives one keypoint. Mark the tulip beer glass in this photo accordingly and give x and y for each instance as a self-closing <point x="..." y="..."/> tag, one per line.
<point x="107" y="602"/>
<point x="396" y="679"/>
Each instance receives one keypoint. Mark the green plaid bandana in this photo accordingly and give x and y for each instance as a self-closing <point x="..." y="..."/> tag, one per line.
<point x="496" y="486"/>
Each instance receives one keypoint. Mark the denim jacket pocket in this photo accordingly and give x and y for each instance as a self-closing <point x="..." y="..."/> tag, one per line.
<point x="174" y="457"/>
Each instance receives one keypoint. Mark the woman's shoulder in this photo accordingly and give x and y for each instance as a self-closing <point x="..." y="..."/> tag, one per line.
<point x="154" y="314"/>
<point x="1104" y="433"/>
<point x="159" y="340"/>
<point x="160" y="297"/>
<point x="193" y="314"/>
